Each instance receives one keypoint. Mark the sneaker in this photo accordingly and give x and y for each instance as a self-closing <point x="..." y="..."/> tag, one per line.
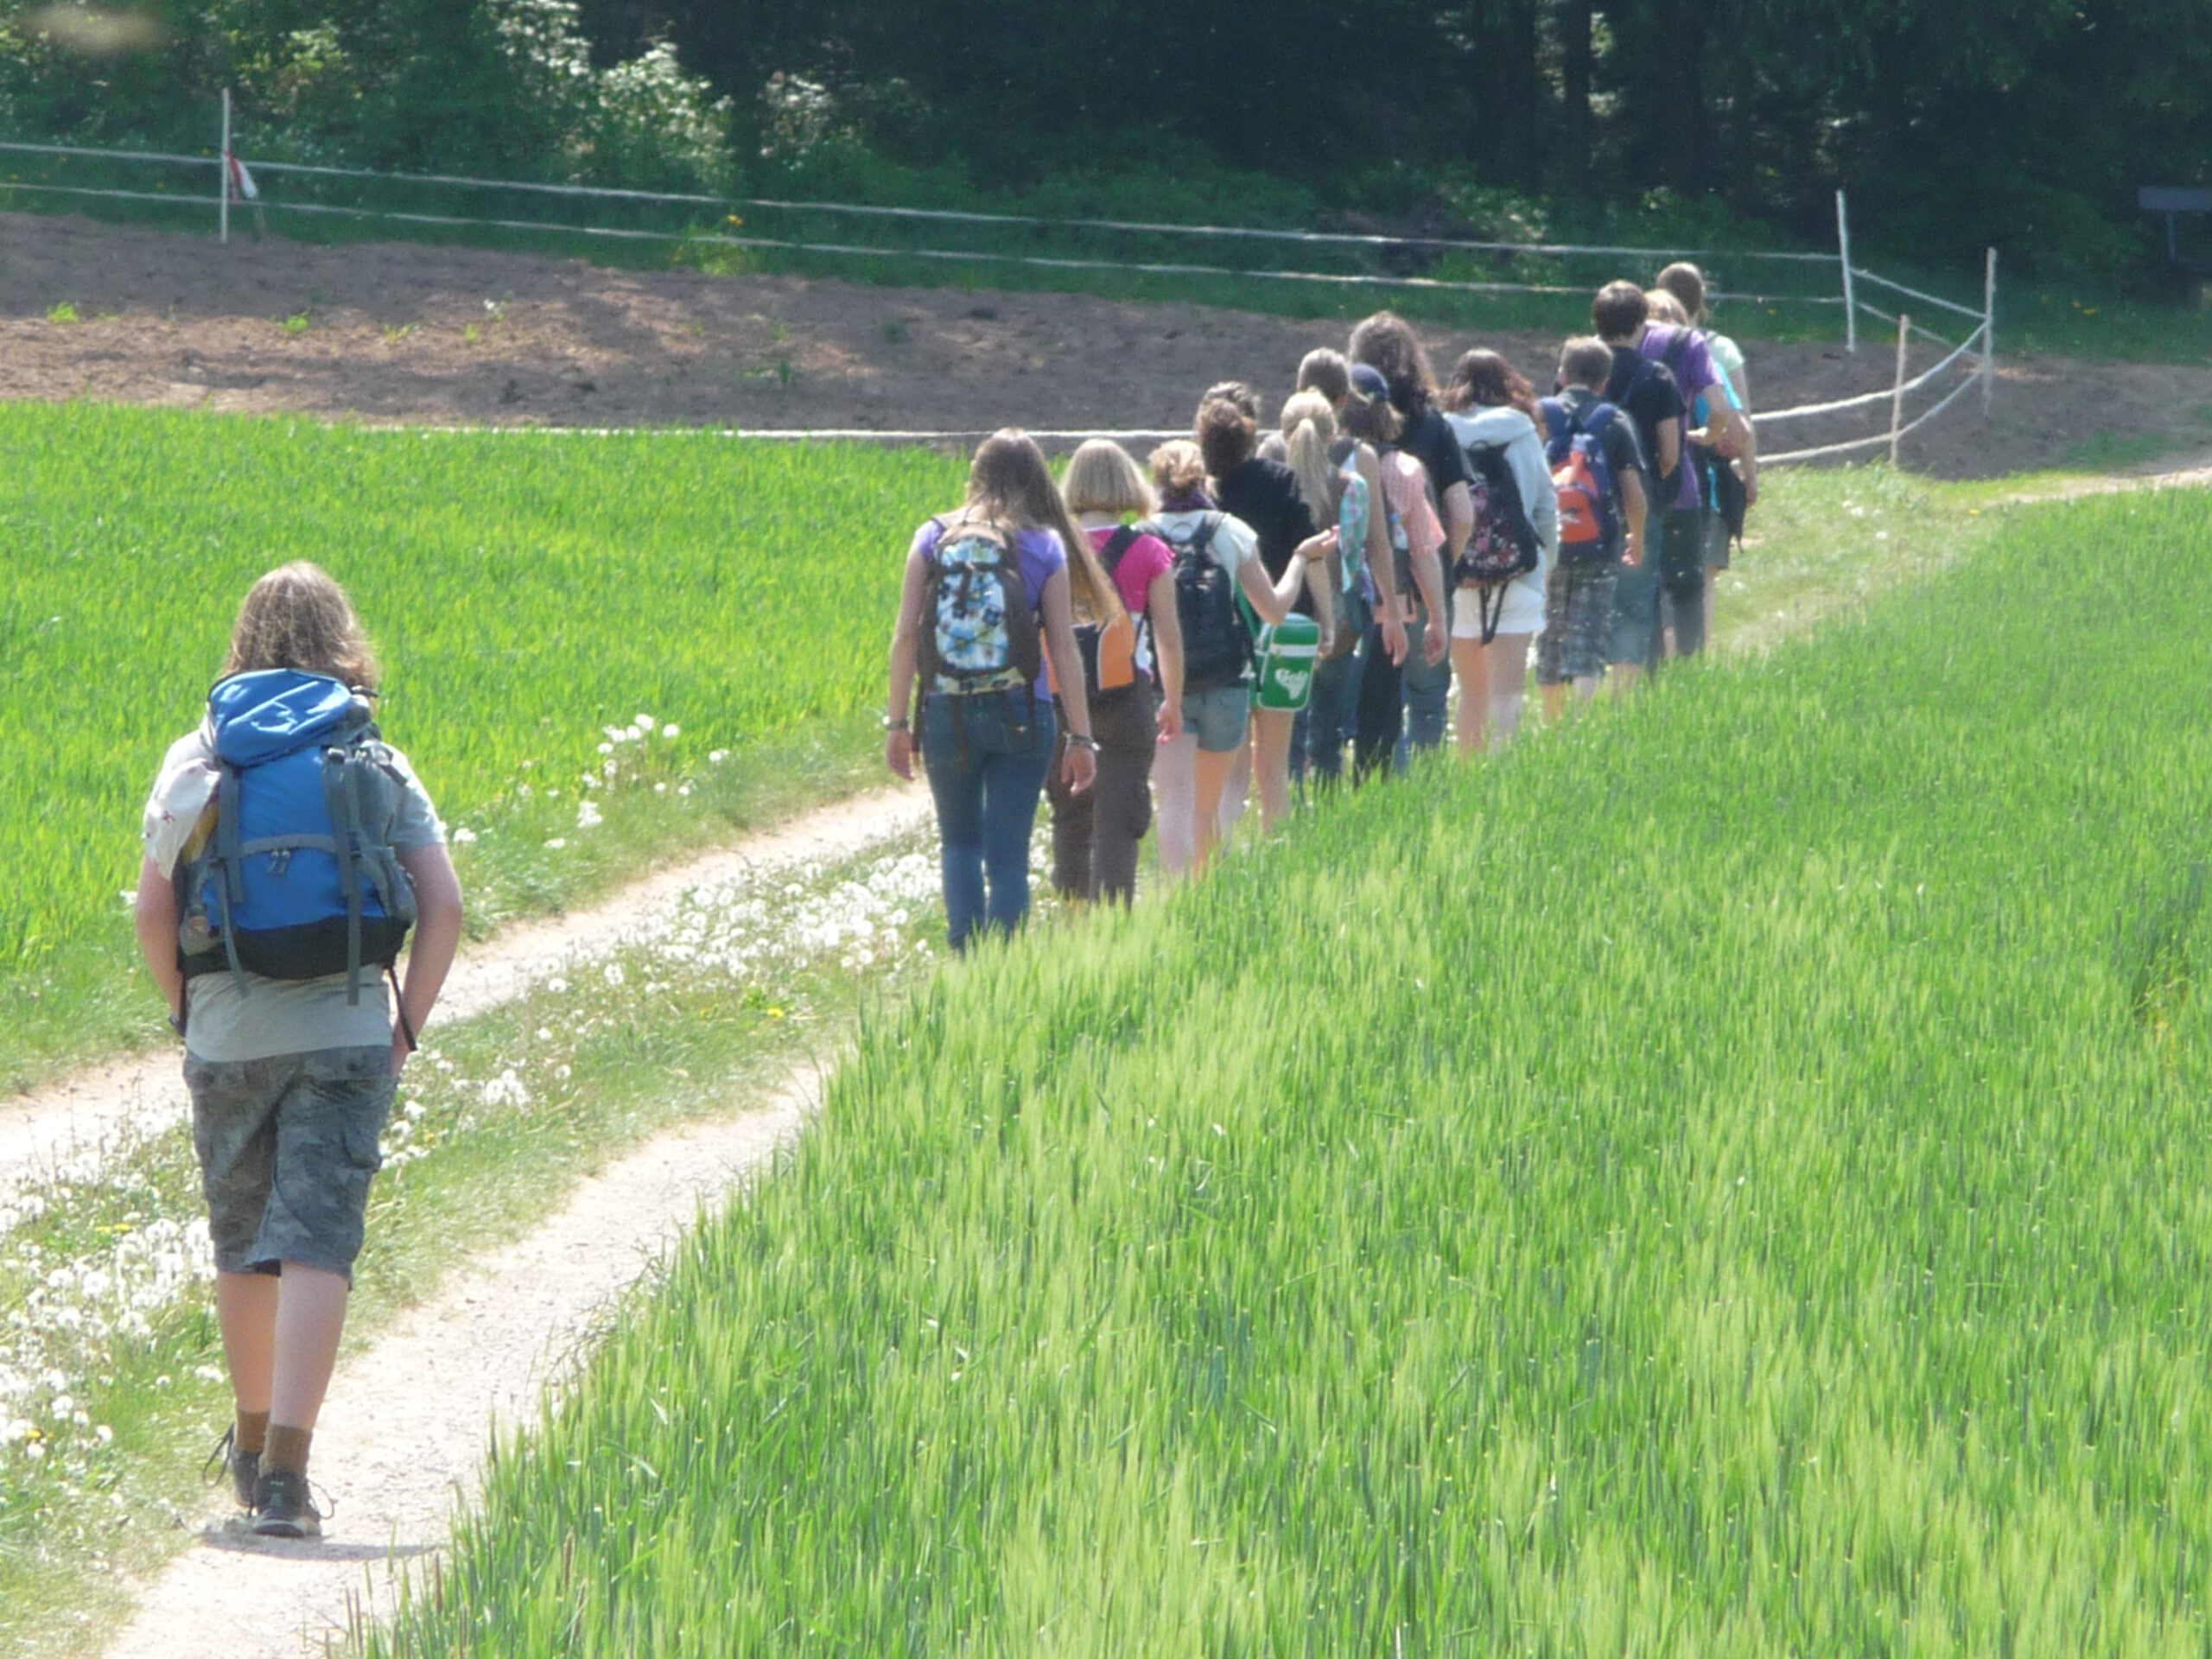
<point x="244" y="1466"/>
<point x="282" y="1507"/>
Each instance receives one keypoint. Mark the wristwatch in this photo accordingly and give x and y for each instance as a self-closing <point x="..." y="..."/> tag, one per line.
<point x="1084" y="741"/>
<point x="893" y="724"/>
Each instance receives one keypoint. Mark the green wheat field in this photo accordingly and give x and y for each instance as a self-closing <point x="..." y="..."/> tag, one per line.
<point x="1727" y="1179"/>
<point x="525" y="591"/>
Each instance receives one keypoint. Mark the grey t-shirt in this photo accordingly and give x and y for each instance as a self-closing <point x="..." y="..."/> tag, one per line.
<point x="296" y="1016"/>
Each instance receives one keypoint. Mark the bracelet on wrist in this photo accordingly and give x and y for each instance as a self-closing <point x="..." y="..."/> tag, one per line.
<point x="1084" y="741"/>
<point x="890" y="724"/>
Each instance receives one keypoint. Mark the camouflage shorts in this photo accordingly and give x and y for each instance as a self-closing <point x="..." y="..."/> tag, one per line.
<point x="287" y="1148"/>
<point x="1577" y="622"/>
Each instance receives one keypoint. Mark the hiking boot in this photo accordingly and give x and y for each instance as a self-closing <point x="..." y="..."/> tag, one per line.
<point x="282" y="1507"/>
<point x="244" y="1466"/>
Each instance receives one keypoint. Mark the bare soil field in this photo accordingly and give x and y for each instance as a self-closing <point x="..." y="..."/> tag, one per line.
<point x="405" y="332"/>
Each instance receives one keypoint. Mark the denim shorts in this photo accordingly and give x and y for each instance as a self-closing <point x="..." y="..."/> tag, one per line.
<point x="1218" y="718"/>
<point x="287" y="1148"/>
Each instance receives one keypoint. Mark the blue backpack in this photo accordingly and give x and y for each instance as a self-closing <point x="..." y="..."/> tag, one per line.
<point x="1589" y="495"/>
<point x="297" y="879"/>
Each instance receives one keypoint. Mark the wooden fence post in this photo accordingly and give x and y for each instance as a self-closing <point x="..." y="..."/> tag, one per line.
<point x="223" y="176"/>
<point x="1850" y="298"/>
<point x="1988" y="329"/>
<point x="1896" y="394"/>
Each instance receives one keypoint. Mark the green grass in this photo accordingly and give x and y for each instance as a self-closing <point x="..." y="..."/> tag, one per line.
<point x="1722" y="1180"/>
<point x="2110" y="452"/>
<point x="524" y="590"/>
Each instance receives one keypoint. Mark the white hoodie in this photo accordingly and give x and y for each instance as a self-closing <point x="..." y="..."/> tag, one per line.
<point x="1524" y="453"/>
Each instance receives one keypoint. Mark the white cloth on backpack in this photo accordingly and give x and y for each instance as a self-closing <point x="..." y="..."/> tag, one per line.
<point x="182" y="791"/>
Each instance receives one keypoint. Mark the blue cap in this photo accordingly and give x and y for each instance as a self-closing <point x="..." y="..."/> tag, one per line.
<point x="1367" y="380"/>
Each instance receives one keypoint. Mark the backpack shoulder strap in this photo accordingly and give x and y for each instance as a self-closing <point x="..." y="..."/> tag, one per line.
<point x="1117" y="547"/>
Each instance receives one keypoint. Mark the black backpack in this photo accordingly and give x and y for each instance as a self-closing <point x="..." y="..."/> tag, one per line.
<point x="1504" y="543"/>
<point x="1217" y="646"/>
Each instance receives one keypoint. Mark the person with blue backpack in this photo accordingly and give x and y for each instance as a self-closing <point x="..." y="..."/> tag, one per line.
<point x="1718" y="439"/>
<point x="289" y="850"/>
<point x="1597" y="488"/>
<point x="991" y="591"/>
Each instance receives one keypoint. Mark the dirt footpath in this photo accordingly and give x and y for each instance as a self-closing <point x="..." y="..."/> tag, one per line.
<point x="401" y="332"/>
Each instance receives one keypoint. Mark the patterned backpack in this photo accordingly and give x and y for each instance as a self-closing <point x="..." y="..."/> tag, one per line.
<point x="1504" y="543"/>
<point x="981" y="632"/>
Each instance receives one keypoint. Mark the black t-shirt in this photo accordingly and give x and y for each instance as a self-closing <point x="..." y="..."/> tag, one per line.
<point x="1647" y="391"/>
<point x="1264" y="494"/>
<point x="1428" y="438"/>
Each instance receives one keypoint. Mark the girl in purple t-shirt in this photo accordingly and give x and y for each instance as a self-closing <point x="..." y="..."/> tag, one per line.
<point x="986" y="752"/>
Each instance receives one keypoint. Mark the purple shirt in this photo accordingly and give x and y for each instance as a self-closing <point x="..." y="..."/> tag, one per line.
<point x="1039" y="551"/>
<point x="1683" y="351"/>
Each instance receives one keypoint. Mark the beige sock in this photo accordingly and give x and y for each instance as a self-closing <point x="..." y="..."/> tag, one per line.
<point x="287" y="1448"/>
<point x="253" y="1431"/>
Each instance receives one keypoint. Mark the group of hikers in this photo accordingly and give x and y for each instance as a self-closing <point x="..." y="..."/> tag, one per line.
<point x="1155" y="644"/>
<point x="1227" y="619"/>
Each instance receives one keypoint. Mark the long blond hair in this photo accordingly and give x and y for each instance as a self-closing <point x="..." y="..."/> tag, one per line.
<point x="298" y="617"/>
<point x="1309" y="427"/>
<point x="1010" y="480"/>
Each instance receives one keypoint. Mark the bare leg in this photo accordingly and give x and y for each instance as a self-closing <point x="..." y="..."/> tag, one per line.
<point x="245" y="1309"/>
<point x="1585" y="689"/>
<point x="310" y="1318"/>
<point x="1624" y="676"/>
<point x="1213" y="772"/>
<point x="1174" y="786"/>
<point x="1554" y="703"/>
<point x="1472" y="663"/>
<point x="1270" y="750"/>
<point x="1506" y="664"/>
<point x="1236" y="791"/>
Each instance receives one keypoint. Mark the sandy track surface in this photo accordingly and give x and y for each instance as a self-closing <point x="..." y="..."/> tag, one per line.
<point x="400" y="332"/>
<point x="402" y="1439"/>
<point x="74" y="1124"/>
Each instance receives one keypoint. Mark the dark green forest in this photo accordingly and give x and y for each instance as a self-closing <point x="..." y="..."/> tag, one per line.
<point x="1953" y="122"/>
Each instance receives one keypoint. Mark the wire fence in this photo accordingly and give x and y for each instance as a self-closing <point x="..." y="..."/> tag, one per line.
<point x="1212" y="260"/>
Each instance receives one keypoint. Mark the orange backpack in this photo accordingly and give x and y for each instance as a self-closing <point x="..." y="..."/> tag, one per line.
<point x="1110" y="650"/>
<point x="1589" y="506"/>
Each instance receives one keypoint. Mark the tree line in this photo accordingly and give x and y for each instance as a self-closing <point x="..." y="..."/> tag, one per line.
<point x="2028" y="122"/>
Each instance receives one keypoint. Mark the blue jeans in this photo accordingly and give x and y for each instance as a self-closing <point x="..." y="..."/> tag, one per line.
<point x="1427" y="690"/>
<point x="986" y="757"/>
<point x="1332" y="717"/>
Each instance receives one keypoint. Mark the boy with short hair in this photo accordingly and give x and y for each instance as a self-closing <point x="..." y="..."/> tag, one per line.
<point x="1579" y="597"/>
<point x="1646" y="390"/>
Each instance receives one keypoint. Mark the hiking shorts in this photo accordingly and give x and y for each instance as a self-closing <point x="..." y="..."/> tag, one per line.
<point x="1577" y="622"/>
<point x="287" y="1148"/>
<point x="1218" y="718"/>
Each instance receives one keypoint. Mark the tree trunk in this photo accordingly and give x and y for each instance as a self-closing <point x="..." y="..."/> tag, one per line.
<point x="1577" y="132"/>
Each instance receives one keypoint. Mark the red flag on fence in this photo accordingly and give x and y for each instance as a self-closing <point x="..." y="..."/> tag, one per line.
<point x="241" y="186"/>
